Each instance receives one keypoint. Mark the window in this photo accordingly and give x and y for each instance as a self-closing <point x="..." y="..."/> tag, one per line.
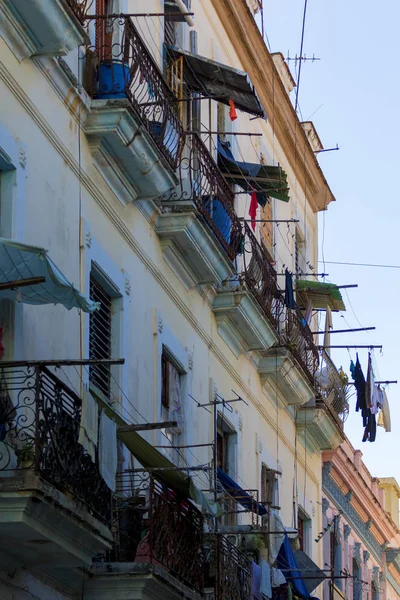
<point x="171" y="395"/>
<point x="375" y="591"/>
<point x="104" y="29"/>
<point x="336" y="555"/>
<point x="303" y="531"/>
<point x="223" y="450"/>
<point x="269" y="487"/>
<point x="357" y="585"/>
<point x="100" y="336"/>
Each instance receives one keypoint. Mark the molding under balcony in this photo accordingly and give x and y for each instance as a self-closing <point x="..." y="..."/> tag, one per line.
<point x="319" y="428"/>
<point x="240" y="321"/>
<point x="190" y="247"/>
<point x="278" y="367"/>
<point x="40" y="27"/>
<point x="44" y="527"/>
<point x="118" y="581"/>
<point x="124" y="152"/>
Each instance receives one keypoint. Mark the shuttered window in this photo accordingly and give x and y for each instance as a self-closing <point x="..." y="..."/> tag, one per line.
<point x="100" y="336"/>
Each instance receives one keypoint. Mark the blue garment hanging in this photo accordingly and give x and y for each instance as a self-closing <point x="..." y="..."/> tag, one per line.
<point x="287" y="563"/>
<point x="289" y="294"/>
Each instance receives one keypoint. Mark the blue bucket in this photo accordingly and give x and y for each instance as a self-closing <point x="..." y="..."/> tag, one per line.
<point x="112" y="79"/>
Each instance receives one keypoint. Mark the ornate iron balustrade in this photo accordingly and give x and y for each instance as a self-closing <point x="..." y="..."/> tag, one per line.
<point x="333" y="389"/>
<point x="290" y="326"/>
<point x="299" y="339"/>
<point x="119" y="65"/>
<point x="260" y="278"/>
<point x="154" y="525"/>
<point x="80" y="8"/>
<point x="228" y="570"/>
<point x="39" y="429"/>
<point x="201" y="181"/>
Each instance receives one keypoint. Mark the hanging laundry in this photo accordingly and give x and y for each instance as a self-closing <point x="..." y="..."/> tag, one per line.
<point x="328" y="327"/>
<point x="253" y="210"/>
<point x="108" y="453"/>
<point x="369" y="386"/>
<point x="266" y="587"/>
<point x="289" y="295"/>
<point x="384" y="415"/>
<point x="232" y="110"/>
<point x="359" y="384"/>
<point x="256" y="581"/>
<point x="308" y="312"/>
<point x="278" y="578"/>
<point x="352" y="369"/>
<point x="88" y="432"/>
<point x="370" y="429"/>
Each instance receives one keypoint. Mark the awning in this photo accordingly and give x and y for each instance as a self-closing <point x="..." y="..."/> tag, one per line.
<point x="21" y="264"/>
<point x="270" y="181"/>
<point x="240" y="495"/>
<point x="218" y="81"/>
<point x="150" y="458"/>
<point x="294" y="571"/>
<point x="312" y="574"/>
<point x="321" y="294"/>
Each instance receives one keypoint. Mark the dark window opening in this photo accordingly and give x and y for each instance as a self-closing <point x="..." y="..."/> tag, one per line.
<point x="100" y="337"/>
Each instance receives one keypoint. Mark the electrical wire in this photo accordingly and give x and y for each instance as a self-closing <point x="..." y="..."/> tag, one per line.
<point x="351" y="264"/>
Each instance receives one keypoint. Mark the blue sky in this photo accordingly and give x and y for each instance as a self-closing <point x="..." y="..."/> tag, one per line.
<point x="353" y="92"/>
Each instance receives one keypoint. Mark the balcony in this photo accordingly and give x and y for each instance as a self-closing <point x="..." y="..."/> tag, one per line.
<point x="158" y="545"/>
<point x="55" y="509"/>
<point x="43" y="27"/>
<point x="228" y="571"/>
<point x="199" y="231"/>
<point x="133" y="126"/>
<point x="324" y="416"/>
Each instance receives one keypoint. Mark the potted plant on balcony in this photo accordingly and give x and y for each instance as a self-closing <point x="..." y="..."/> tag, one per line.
<point x="26" y="457"/>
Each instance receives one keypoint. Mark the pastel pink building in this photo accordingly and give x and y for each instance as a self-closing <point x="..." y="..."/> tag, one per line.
<point x="361" y="544"/>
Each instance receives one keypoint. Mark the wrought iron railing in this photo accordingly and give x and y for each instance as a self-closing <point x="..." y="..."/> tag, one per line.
<point x="299" y="339"/>
<point x="153" y="524"/>
<point x="201" y="181"/>
<point x="39" y="429"/>
<point x="333" y="389"/>
<point x="260" y="278"/>
<point x="289" y="324"/>
<point x="80" y="8"/>
<point x="228" y="570"/>
<point x="120" y="65"/>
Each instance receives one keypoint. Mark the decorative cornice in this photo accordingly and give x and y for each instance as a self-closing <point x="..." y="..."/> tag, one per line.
<point x="350" y="514"/>
<point x="258" y="62"/>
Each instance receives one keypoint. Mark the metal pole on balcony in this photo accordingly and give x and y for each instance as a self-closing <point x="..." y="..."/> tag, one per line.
<point x="37" y="419"/>
<point x="151" y="516"/>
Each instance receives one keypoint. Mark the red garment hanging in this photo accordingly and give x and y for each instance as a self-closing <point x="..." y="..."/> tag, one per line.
<point x="232" y="110"/>
<point x="253" y="210"/>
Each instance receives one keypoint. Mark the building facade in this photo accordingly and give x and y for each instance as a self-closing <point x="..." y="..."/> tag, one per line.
<point x="156" y="156"/>
<point x="361" y="518"/>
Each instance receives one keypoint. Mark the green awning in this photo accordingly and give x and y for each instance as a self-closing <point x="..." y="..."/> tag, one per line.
<point x="150" y="458"/>
<point x="253" y="177"/>
<point x="20" y="263"/>
<point x="321" y="294"/>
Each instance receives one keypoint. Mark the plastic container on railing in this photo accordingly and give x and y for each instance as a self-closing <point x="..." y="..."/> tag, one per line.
<point x="112" y="80"/>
